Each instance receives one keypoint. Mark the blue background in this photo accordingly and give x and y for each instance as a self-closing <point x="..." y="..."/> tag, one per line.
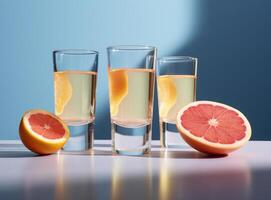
<point x="231" y="39"/>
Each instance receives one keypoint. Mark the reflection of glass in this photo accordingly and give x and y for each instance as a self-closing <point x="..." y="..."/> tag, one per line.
<point x="116" y="182"/>
<point x="70" y="184"/>
<point x="164" y="179"/>
<point x="75" y="90"/>
<point x="60" y="186"/>
<point x="131" y="85"/>
<point x="127" y="185"/>
<point x="176" y="88"/>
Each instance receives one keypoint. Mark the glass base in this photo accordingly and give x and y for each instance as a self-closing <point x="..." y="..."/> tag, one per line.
<point x="170" y="136"/>
<point x="131" y="140"/>
<point x="81" y="138"/>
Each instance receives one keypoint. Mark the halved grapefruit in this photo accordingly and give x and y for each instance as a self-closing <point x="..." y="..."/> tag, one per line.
<point x="43" y="132"/>
<point x="212" y="127"/>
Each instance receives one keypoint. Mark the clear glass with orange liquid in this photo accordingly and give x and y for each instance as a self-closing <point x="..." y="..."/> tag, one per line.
<point x="176" y="82"/>
<point x="75" y="79"/>
<point x="131" y="87"/>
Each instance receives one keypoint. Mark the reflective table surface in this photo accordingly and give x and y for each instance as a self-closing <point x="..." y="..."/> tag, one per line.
<point x="164" y="174"/>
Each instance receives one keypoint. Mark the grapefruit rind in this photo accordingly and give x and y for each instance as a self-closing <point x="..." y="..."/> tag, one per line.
<point x="37" y="143"/>
<point x="206" y="146"/>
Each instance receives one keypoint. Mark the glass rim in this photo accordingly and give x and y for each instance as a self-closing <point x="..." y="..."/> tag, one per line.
<point x="131" y="48"/>
<point x="176" y="59"/>
<point x="75" y="52"/>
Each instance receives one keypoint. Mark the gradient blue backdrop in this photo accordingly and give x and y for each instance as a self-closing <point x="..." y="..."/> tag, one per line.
<point x="230" y="38"/>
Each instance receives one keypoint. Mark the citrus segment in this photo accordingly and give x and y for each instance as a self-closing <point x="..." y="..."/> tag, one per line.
<point x="118" y="83"/>
<point x="63" y="92"/>
<point x="43" y="132"/>
<point x="167" y="95"/>
<point x="213" y="127"/>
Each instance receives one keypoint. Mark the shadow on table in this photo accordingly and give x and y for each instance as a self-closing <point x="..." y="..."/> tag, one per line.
<point x="177" y="154"/>
<point x="17" y="154"/>
<point x="102" y="145"/>
<point x="93" y="152"/>
<point x="14" y="150"/>
<point x="184" y="153"/>
<point x="181" y="154"/>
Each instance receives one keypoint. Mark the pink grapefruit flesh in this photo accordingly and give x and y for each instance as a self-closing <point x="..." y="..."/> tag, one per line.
<point x="46" y="126"/>
<point x="212" y="127"/>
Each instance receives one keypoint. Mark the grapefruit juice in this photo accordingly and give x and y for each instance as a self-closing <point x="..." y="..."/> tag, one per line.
<point x="78" y="88"/>
<point x="134" y="109"/>
<point x="131" y="100"/>
<point x="174" y="92"/>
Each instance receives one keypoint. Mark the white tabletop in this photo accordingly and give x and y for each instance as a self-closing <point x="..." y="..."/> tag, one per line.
<point x="164" y="174"/>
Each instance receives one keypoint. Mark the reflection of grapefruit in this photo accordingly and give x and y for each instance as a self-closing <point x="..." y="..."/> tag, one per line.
<point x="63" y="92"/>
<point x="167" y="95"/>
<point x="118" y="83"/>
<point x="43" y="132"/>
<point x="212" y="127"/>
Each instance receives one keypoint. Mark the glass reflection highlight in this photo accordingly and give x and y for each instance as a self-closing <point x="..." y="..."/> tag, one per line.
<point x="128" y="185"/>
<point x="59" y="190"/>
<point x="164" y="177"/>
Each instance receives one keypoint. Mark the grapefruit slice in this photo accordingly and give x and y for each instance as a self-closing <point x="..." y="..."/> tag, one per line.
<point x="167" y="95"/>
<point x="43" y="132"/>
<point x="212" y="127"/>
<point x="118" y="83"/>
<point x="63" y="92"/>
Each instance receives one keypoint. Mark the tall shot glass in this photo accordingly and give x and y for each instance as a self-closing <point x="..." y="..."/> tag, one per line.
<point x="176" y="80"/>
<point x="75" y="75"/>
<point x="131" y="71"/>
